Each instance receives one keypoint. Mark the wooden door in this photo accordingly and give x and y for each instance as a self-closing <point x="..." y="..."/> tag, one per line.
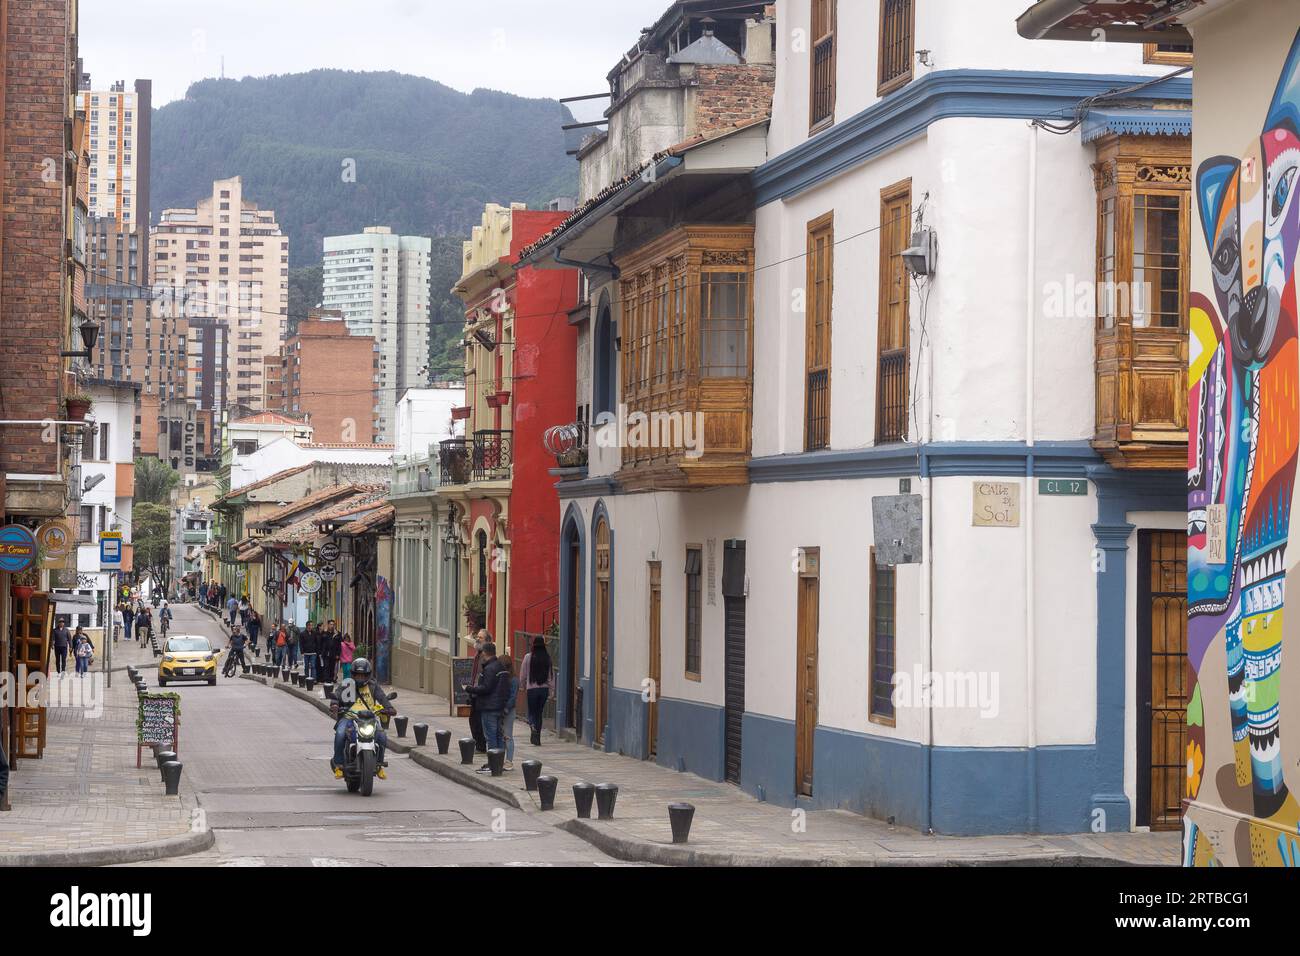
<point x="656" y="662"/>
<point x="32" y="624"/>
<point x="573" y="699"/>
<point x="1162" y="683"/>
<point x="805" y="715"/>
<point x="602" y="629"/>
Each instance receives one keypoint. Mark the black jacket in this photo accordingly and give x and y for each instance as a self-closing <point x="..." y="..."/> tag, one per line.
<point x="493" y="687"/>
<point x="309" y="641"/>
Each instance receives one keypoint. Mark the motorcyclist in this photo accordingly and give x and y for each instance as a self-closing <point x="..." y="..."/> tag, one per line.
<point x="370" y="696"/>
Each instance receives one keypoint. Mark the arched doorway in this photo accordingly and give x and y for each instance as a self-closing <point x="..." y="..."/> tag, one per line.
<point x="601" y="613"/>
<point x="569" y="659"/>
<point x="605" y="360"/>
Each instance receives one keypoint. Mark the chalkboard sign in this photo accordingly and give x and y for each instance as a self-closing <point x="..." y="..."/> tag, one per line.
<point x="158" y="722"/>
<point x="461" y="670"/>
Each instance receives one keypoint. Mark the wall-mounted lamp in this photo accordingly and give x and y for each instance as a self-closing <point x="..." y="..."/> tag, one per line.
<point x="89" y="336"/>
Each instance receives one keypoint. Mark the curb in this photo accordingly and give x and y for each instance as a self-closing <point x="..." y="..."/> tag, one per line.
<point x="182" y="845"/>
<point x="452" y="771"/>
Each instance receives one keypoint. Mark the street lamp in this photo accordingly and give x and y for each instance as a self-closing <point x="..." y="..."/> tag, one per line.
<point x="89" y="336"/>
<point x="451" y="537"/>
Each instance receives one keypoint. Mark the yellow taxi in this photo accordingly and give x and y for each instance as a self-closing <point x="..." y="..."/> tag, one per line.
<point x="187" y="657"/>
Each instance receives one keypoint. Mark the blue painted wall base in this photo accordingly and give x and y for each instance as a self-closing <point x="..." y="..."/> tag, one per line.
<point x="690" y="737"/>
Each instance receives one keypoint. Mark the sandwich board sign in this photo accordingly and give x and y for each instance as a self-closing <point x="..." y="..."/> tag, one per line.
<point x="157" y="723"/>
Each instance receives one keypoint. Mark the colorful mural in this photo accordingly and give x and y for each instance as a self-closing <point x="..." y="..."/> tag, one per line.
<point x="383" y="629"/>
<point x="1244" y="426"/>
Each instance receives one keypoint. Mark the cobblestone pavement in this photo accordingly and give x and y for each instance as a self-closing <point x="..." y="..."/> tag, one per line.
<point x="85" y="793"/>
<point x="258" y="762"/>
<point x="731" y="827"/>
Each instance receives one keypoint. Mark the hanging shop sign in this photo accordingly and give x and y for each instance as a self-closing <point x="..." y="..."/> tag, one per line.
<point x="310" y="583"/>
<point x="329" y="552"/>
<point x="55" y="539"/>
<point x="17" y="548"/>
<point x="327" y="572"/>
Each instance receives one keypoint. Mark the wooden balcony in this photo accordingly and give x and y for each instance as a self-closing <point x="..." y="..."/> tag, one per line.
<point x="686" y="324"/>
<point x="1142" y="397"/>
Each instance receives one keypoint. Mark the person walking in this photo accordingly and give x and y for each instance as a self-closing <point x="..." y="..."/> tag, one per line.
<point x="254" y="629"/>
<point x="310" y="650"/>
<point x="117" y="621"/>
<point x="347" y="651"/>
<point x="281" y="642"/>
<point x="508" y="714"/>
<point x="539" y="684"/>
<point x="232" y="609"/>
<point x="62" y="639"/>
<point x="144" y="623"/>
<point x="490" y="693"/>
<point x="329" y="651"/>
<point x="83" y="650"/>
<point x="128" y="619"/>
<point x="293" y="638"/>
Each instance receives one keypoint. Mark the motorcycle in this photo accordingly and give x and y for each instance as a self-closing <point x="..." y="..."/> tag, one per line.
<point x="361" y="749"/>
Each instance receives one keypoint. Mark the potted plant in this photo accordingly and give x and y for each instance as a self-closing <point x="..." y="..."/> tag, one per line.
<point x="460" y="413"/>
<point x="475" y="610"/>
<point x="573" y="458"/>
<point x="77" y="406"/>
<point x="24" y="584"/>
<point x="498" y="399"/>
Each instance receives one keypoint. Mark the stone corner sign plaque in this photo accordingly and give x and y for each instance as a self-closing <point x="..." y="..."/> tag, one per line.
<point x="996" y="504"/>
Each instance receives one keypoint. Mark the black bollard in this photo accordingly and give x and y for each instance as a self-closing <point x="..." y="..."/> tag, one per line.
<point x="285" y="675"/>
<point x="311" y="683"/>
<point x="247" y="668"/>
<point x="161" y="756"/>
<point x="496" y="761"/>
<point x="546" y="790"/>
<point x="606" y="794"/>
<point x="421" y="734"/>
<point x="679" y="815"/>
<point x="467" y="750"/>
<point x="443" y="737"/>
<point x="172" y="777"/>
<point x="328" y="689"/>
<point x="167" y="757"/>
<point x="583" y="794"/>
<point x="532" y="770"/>
<point x="401" y="726"/>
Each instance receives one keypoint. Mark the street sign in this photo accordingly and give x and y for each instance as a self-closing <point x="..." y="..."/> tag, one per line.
<point x="1063" y="486"/>
<point x="110" y="550"/>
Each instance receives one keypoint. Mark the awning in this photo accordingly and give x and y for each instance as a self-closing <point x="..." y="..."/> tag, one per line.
<point x="75" y="603"/>
<point x="1148" y="122"/>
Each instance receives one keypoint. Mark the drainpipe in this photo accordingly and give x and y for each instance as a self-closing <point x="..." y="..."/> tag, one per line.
<point x="927" y="578"/>
<point x="1031" y="296"/>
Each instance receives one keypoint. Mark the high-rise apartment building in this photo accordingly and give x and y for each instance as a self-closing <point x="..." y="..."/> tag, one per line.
<point x="137" y="342"/>
<point x="328" y="375"/>
<point x="380" y="283"/>
<point x="232" y="261"/>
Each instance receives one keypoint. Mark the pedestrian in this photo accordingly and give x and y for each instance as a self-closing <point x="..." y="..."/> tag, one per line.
<point x="347" y="650"/>
<point x="232" y="608"/>
<point x="508" y="715"/>
<point x="83" y="651"/>
<point x="62" y="641"/>
<point x="490" y="692"/>
<point x="539" y="683"/>
<point x="128" y="619"/>
<point x="254" y="629"/>
<point x="144" y="623"/>
<point x="281" y="641"/>
<point x="292" y="639"/>
<point x="475" y="714"/>
<point x="310" y="650"/>
<point x="117" y="621"/>
<point x="329" y="651"/>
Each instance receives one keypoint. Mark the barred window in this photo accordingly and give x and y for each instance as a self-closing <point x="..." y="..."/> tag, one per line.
<point x="897" y="42"/>
<point x="883" y="641"/>
<point x="694" y="562"/>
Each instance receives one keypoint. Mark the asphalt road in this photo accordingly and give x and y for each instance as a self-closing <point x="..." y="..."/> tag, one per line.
<point x="258" y="760"/>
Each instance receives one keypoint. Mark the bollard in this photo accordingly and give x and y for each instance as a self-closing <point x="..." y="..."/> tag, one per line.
<point x="421" y="734"/>
<point x="172" y="777"/>
<point x="467" y="750"/>
<point x="532" y="770"/>
<point x="246" y="668"/>
<point x="606" y="794"/>
<point x="285" y="673"/>
<point x="311" y="683"/>
<point x="496" y="761"/>
<point x="329" y="690"/>
<point x="443" y="737"/>
<point x="165" y="758"/>
<point x="401" y="725"/>
<point x="679" y="816"/>
<point x="546" y="790"/>
<point x="161" y="756"/>
<point x="583" y="794"/>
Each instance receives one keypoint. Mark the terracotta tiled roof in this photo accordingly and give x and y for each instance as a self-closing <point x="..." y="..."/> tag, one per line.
<point x="376" y="519"/>
<point x="268" y="418"/>
<point x="362" y="502"/>
<point x="317" y="499"/>
<point x="258" y="485"/>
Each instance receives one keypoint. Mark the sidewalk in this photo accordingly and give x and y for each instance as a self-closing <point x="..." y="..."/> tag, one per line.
<point x="84" y="803"/>
<point x="731" y="828"/>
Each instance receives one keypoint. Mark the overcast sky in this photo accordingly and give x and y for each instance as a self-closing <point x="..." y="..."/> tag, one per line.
<point x="540" y="48"/>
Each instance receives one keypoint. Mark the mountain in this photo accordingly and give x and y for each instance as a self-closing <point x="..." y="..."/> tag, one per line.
<point x="333" y="151"/>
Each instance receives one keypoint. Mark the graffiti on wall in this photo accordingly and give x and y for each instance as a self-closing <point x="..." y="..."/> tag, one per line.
<point x="383" y="628"/>
<point x="1244" y="428"/>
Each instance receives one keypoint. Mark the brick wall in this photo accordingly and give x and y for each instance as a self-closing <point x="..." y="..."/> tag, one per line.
<point x="732" y="95"/>
<point x="336" y="381"/>
<point x="37" y="85"/>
